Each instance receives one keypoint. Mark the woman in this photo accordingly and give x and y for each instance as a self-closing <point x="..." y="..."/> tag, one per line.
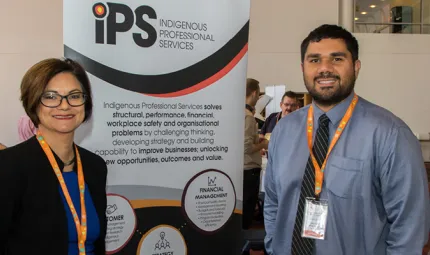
<point x="52" y="191"/>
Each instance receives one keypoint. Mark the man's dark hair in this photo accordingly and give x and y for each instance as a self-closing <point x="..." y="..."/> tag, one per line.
<point x="331" y="32"/>
<point x="251" y="86"/>
<point x="289" y="94"/>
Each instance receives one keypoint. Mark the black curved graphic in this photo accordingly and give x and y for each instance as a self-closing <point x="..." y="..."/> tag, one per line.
<point x="170" y="82"/>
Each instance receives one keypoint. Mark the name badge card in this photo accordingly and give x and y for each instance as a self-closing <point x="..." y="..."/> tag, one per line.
<point x="315" y="220"/>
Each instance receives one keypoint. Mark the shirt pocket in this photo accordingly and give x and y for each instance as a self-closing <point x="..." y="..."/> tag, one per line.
<point x="344" y="176"/>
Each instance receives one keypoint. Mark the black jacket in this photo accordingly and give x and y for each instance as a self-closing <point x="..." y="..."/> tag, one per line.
<point x="32" y="215"/>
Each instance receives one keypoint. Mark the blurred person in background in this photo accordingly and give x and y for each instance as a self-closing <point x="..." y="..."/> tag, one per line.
<point x="252" y="157"/>
<point x="26" y="128"/>
<point x="288" y="104"/>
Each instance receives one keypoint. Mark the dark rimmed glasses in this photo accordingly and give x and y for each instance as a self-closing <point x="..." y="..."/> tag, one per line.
<point x="53" y="99"/>
<point x="291" y="105"/>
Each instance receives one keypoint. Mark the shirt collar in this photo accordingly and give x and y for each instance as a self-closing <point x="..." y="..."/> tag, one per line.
<point x="336" y="113"/>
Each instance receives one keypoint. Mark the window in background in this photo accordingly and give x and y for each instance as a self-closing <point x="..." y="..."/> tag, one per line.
<point x="392" y="16"/>
<point x="426" y="12"/>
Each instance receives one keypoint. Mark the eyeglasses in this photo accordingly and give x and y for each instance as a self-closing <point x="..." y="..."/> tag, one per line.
<point x="53" y="99"/>
<point x="291" y="105"/>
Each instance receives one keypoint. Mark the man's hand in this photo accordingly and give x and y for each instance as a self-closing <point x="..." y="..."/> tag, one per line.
<point x="264" y="143"/>
<point x="263" y="152"/>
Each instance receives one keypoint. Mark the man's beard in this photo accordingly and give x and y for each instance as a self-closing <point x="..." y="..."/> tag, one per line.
<point x="344" y="89"/>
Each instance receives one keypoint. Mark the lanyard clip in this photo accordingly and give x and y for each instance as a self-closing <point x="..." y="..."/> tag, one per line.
<point x="317" y="197"/>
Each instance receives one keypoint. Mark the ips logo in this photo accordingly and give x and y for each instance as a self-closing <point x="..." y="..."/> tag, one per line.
<point x="131" y="18"/>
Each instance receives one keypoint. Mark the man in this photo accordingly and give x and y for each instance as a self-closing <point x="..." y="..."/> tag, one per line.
<point x="252" y="157"/>
<point x="374" y="197"/>
<point x="2" y="147"/>
<point x="289" y="103"/>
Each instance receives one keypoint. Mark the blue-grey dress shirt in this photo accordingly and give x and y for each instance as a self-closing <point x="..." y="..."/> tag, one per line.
<point x="375" y="183"/>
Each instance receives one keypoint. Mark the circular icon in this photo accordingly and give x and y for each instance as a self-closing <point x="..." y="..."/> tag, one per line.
<point x="99" y="10"/>
<point x="121" y="223"/>
<point x="209" y="200"/>
<point x="162" y="239"/>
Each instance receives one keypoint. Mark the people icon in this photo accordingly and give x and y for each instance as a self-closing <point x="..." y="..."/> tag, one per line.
<point x="162" y="243"/>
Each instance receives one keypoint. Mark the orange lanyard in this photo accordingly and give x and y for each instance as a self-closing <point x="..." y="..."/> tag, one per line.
<point x="319" y="172"/>
<point x="81" y="225"/>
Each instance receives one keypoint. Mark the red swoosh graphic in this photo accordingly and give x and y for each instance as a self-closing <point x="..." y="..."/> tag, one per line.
<point x="208" y="81"/>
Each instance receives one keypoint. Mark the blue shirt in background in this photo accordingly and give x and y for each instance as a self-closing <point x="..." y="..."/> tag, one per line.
<point x="375" y="183"/>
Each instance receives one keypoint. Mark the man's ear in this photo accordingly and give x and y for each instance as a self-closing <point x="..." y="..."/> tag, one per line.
<point x="357" y="67"/>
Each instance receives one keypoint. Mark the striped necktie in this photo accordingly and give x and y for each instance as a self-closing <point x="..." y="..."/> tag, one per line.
<point x="301" y="245"/>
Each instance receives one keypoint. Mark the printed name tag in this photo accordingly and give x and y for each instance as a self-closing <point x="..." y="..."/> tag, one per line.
<point x="314" y="222"/>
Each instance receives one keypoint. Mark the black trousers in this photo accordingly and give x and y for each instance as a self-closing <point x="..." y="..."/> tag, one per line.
<point x="251" y="185"/>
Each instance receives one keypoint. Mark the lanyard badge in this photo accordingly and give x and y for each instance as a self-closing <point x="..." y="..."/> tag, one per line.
<point x="315" y="220"/>
<point x="316" y="210"/>
<point x="81" y="225"/>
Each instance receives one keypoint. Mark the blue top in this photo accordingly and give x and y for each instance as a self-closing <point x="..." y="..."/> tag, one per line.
<point x="93" y="224"/>
<point x="375" y="183"/>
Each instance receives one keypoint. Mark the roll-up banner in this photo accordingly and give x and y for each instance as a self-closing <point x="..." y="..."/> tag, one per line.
<point x="168" y="83"/>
